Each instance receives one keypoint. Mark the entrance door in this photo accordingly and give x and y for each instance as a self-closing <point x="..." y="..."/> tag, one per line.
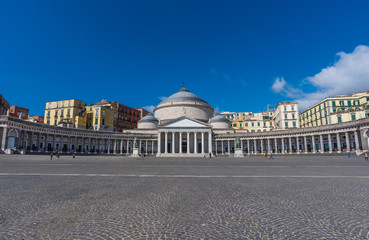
<point x="184" y="147"/>
<point x="11" y="142"/>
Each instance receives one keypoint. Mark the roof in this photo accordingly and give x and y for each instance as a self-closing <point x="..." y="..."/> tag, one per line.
<point x="183" y="95"/>
<point x="219" y="118"/>
<point x="149" y="118"/>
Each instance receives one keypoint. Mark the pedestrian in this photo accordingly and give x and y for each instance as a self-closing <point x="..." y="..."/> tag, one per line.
<point x="349" y="154"/>
<point x="51" y="156"/>
<point x="271" y="155"/>
<point x="366" y="156"/>
<point x="74" y="155"/>
<point x="210" y="155"/>
<point x="266" y="155"/>
<point x="58" y="155"/>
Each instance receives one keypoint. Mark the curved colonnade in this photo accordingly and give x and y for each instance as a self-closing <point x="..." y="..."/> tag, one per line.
<point x="35" y="137"/>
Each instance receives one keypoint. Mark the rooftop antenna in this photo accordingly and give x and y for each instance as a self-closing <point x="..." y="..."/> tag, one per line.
<point x="183" y="84"/>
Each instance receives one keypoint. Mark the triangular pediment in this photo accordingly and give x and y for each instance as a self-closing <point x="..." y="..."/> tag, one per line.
<point x="185" y="123"/>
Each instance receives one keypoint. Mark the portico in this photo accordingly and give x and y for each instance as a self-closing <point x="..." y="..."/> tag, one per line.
<point x="184" y="137"/>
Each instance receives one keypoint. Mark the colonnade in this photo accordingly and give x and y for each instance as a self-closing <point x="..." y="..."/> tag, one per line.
<point x="308" y="143"/>
<point x="188" y="142"/>
<point x="34" y="141"/>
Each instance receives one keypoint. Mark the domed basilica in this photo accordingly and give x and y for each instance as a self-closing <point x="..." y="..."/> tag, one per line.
<point x="184" y="124"/>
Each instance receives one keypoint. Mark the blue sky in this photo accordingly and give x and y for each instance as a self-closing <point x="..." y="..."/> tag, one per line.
<point x="236" y="55"/>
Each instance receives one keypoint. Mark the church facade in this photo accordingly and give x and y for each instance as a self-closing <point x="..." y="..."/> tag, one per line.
<point x="183" y="125"/>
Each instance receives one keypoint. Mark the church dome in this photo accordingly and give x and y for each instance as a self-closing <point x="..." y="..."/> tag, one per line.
<point x="220" y="122"/>
<point x="183" y="104"/>
<point x="148" y="122"/>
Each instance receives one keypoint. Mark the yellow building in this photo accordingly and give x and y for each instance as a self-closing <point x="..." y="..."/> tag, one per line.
<point x="251" y="122"/>
<point x="67" y="112"/>
<point x="341" y="108"/>
<point x="101" y="116"/>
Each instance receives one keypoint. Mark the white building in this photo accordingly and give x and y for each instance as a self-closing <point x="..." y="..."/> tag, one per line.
<point x="286" y="115"/>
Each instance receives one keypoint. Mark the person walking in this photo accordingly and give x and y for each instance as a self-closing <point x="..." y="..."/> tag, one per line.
<point x="74" y="155"/>
<point x="271" y="155"/>
<point x="51" y="156"/>
<point x="366" y="156"/>
<point x="349" y="154"/>
<point x="58" y="155"/>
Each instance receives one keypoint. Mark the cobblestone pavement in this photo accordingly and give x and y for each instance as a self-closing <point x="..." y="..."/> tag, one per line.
<point x="291" y="197"/>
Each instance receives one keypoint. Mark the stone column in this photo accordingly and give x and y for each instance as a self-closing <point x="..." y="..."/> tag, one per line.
<point x="321" y="144"/>
<point x="313" y="142"/>
<point x="180" y="142"/>
<point x="127" y="151"/>
<point x="338" y="143"/>
<point x="173" y="142"/>
<point x="115" y="146"/>
<point x="54" y="139"/>
<point x="159" y="143"/>
<point x="210" y="140"/>
<point x="38" y="142"/>
<point x="97" y="145"/>
<point x="297" y="145"/>
<point x="330" y="143"/>
<point x="282" y="145"/>
<point x="75" y="143"/>
<point x="4" y="139"/>
<point x="46" y="142"/>
<point x="255" y="150"/>
<point x="195" y="142"/>
<point x="275" y="146"/>
<point x="305" y="145"/>
<point x="146" y="147"/>
<point x="32" y="134"/>
<point x="121" y="146"/>
<point x="68" y="144"/>
<point x="89" y="145"/>
<point x="61" y="143"/>
<point x="202" y="143"/>
<point x="268" y="145"/>
<point x="248" y="146"/>
<point x="357" y="144"/>
<point x="108" y="145"/>
<point x="242" y="145"/>
<point x="290" y="143"/>
<point x="188" y="142"/>
<point x="166" y="143"/>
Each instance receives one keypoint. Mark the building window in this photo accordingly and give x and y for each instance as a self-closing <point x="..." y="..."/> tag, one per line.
<point x="333" y="103"/>
<point x="61" y="113"/>
<point x="293" y="108"/>
<point x="285" y="108"/>
<point x="252" y="124"/>
<point x="253" y="131"/>
<point x="285" y="116"/>
<point x="103" y="121"/>
<point x="342" y="103"/>
<point x="294" y="124"/>
<point x="234" y="125"/>
<point x="293" y="116"/>
<point x="246" y="124"/>
<point x="259" y="130"/>
<point x="270" y="124"/>
<point x="68" y="103"/>
<point x="56" y="113"/>
<point x="349" y="103"/>
<point x="49" y="105"/>
<point x="96" y="112"/>
<point x="62" y="104"/>
<point x="57" y="105"/>
<point x="353" y="117"/>
<point x="55" y="122"/>
<point x="68" y="112"/>
<point x="286" y="124"/>
<point x="339" y="119"/>
<point x="48" y="122"/>
<point x="258" y="124"/>
<point x="96" y="121"/>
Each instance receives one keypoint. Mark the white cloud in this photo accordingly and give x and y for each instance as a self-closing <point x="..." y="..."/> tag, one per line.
<point x="349" y="74"/>
<point x="149" y="108"/>
<point x="162" y="98"/>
